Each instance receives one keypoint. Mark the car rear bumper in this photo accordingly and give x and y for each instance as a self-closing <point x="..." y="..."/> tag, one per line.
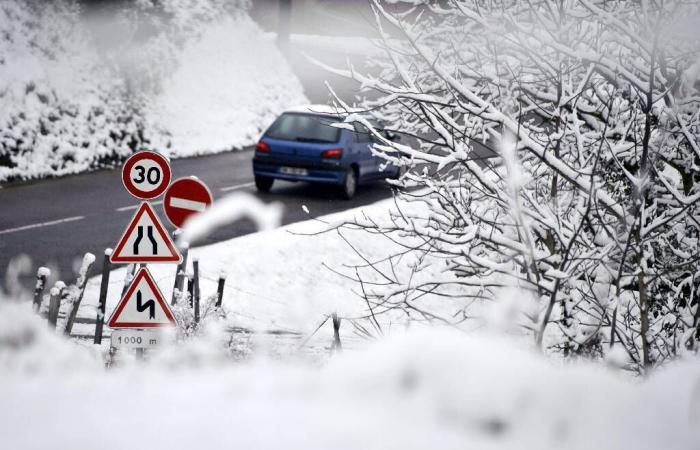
<point x="330" y="173"/>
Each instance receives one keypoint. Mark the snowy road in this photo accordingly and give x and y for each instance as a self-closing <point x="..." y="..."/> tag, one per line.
<point x="55" y="222"/>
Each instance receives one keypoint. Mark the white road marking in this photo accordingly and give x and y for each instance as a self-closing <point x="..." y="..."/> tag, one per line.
<point x="184" y="203"/>
<point x="237" y="186"/>
<point x="127" y="208"/>
<point x="42" y="224"/>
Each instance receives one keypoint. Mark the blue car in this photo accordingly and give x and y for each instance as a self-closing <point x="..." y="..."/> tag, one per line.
<point x="301" y="145"/>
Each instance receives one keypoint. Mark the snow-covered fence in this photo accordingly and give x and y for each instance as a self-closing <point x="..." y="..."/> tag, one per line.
<point x="42" y="275"/>
<point x="195" y="299"/>
<point x="220" y="289"/>
<point x="104" y="286"/>
<point x="77" y="291"/>
<point x="179" y="283"/>
<point x="336" y="333"/>
<point x="54" y="304"/>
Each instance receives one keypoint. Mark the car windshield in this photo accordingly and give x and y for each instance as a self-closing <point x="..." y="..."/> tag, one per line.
<point x="304" y="128"/>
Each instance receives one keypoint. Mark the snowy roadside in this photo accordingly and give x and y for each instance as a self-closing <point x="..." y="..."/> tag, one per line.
<point x="287" y="279"/>
<point x="277" y="279"/>
<point x="415" y="388"/>
<point x="432" y="388"/>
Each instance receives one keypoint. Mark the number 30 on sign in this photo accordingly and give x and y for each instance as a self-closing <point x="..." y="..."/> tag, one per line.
<point x="146" y="175"/>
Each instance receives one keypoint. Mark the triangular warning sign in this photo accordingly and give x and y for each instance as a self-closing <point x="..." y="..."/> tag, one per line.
<point x="145" y="240"/>
<point x="143" y="306"/>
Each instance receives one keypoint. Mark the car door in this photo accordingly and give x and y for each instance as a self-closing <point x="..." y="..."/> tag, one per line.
<point x="363" y="154"/>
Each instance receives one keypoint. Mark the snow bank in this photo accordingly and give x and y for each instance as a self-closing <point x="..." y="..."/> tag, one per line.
<point x="29" y="348"/>
<point x="279" y="279"/>
<point x="231" y="83"/>
<point x="80" y="92"/>
<point x="428" y="389"/>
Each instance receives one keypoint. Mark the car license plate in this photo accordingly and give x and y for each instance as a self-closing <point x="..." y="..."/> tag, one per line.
<point x="293" y="171"/>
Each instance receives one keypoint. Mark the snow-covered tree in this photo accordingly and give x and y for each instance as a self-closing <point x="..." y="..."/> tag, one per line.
<point x="556" y="151"/>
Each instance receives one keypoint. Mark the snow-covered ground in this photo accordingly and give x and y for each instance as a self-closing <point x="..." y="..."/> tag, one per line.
<point x="432" y="388"/>
<point x="275" y="279"/>
<point x="416" y="387"/>
<point x="231" y="84"/>
<point x="285" y="278"/>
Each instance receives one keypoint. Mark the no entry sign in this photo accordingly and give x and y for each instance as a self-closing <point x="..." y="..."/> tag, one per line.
<point x="184" y="198"/>
<point x="146" y="175"/>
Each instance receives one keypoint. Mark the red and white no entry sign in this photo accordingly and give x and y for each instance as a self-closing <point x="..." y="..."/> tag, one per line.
<point x="184" y="198"/>
<point x="146" y="175"/>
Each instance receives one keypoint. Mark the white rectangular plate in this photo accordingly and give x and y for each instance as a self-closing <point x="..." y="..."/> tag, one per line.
<point x="131" y="338"/>
<point x="294" y="171"/>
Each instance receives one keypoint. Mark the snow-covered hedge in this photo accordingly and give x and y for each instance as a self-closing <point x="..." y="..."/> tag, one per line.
<point x="82" y="91"/>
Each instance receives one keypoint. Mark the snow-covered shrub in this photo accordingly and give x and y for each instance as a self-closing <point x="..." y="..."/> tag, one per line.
<point x="590" y="200"/>
<point x="29" y="347"/>
<point x="63" y="111"/>
<point x="84" y="89"/>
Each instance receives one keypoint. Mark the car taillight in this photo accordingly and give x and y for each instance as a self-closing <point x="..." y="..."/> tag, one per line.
<point x="332" y="153"/>
<point x="262" y="147"/>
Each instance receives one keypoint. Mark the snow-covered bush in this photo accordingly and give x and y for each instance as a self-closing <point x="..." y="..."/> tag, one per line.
<point x="28" y="347"/>
<point x="84" y="89"/>
<point x="589" y="113"/>
<point x="63" y="111"/>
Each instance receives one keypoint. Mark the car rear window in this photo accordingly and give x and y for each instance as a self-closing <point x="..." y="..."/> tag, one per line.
<point x="304" y="128"/>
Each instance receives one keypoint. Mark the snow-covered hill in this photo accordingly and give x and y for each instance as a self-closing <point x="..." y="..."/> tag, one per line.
<point x="82" y="91"/>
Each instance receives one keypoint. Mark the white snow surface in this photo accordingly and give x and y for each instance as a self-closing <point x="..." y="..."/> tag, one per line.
<point x="275" y="279"/>
<point x="230" y="84"/>
<point x="416" y="387"/>
<point x="428" y="388"/>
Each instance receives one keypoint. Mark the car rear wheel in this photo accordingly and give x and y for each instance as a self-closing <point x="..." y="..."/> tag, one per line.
<point x="350" y="184"/>
<point x="264" y="184"/>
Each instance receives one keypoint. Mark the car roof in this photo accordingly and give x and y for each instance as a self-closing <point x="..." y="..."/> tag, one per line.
<point x="318" y="109"/>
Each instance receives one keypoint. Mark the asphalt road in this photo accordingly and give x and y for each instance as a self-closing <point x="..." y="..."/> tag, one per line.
<point x="55" y="222"/>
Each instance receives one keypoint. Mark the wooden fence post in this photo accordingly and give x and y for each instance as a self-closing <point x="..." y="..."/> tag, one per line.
<point x="130" y="271"/>
<point x="41" y="276"/>
<point x="195" y="267"/>
<point x="104" y="284"/>
<point x="179" y="284"/>
<point x="336" y="333"/>
<point x="88" y="260"/>
<point x="220" y="289"/>
<point x="190" y="289"/>
<point x="54" y="305"/>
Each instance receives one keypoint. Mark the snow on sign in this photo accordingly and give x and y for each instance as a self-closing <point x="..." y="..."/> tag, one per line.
<point x="146" y="175"/>
<point x="145" y="240"/>
<point x="184" y="198"/>
<point x="142" y="306"/>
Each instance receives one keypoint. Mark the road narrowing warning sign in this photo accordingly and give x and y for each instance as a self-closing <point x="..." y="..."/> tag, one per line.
<point x="145" y="240"/>
<point x="146" y="175"/>
<point x="142" y="306"/>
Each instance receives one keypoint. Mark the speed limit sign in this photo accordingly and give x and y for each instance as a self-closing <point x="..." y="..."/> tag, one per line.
<point x="146" y="175"/>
